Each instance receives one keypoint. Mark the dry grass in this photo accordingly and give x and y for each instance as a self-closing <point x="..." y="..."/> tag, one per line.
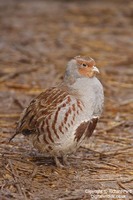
<point x="37" y="38"/>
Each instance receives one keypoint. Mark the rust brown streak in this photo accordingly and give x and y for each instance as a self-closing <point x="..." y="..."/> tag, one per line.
<point x="66" y="115"/>
<point x="49" y="117"/>
<point x="74" y="117"/>
<point x="44" y="138"/>
<point x="42" y="126"/>
<point x="91" y="127"/>
<point x="73" y="107"/>
<point x="49" y="96"/>
<point x="62" y="124"/>
<point x="49" y="147"/>
<point x="69" y="111"/>
<point x="54" y="122"/>
<point x="48" y="130"/>
<point x="55" y="100"/>
<point x="66" y="128"/>
<point x="79" y="105"/>
<point x="46" y="95"/>
<point x="40" y="119"/>
<point x="60" y="128"/>
<point x="65" y="118"/>
<point x="61" y="96"/>
<point x="71" y="122"/>
<point x="68" y="99"/>
<point x="64" y="105"/>
<point x="80" y="131"/>
<point x="58" y="97"/>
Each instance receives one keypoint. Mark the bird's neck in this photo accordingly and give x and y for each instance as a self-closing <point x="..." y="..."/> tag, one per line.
<point x="90" y="92"/>
<point x="85" y="85"/>
<point x="89" y="89"/>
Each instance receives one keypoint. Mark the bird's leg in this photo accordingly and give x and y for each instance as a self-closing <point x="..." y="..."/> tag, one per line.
<point x="65" y="161"/>
<point x="58" y="163"/>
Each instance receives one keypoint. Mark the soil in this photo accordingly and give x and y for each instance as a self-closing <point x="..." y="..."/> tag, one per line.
<point x="37" y="39"/>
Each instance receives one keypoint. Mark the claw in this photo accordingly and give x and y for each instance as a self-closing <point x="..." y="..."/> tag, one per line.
<point x="58" y="163"/>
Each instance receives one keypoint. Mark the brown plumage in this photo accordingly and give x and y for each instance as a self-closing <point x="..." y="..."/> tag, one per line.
<point x="62" y="117"/>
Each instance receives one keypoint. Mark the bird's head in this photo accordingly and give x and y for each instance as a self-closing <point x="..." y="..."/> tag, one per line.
<point x="80" y="67"/>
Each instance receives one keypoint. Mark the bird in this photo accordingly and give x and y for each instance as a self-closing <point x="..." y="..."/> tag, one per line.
<point x="60" y="119"/>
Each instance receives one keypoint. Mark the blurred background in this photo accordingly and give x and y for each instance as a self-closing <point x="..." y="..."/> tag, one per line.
<point x="37" y="39"/>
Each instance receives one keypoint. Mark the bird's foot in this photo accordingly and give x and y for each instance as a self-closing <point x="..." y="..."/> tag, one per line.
<point x="65" y="161"/>
<point x="58" y="163"/>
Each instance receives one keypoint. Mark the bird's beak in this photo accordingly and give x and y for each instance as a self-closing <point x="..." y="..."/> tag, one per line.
<point x="95" y="69"/>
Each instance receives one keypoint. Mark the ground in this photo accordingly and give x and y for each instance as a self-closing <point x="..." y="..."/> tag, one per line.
<point x="37" y="38"/>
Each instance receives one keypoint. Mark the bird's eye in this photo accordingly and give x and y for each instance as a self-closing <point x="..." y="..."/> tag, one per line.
<point x="84" y="65"/>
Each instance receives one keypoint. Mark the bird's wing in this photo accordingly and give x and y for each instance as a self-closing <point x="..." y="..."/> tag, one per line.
<point x="41" y="108"/>
<point x="86" y="129"/>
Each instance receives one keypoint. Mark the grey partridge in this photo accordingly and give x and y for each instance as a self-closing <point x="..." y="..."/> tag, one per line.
<point x="60" y="119"/>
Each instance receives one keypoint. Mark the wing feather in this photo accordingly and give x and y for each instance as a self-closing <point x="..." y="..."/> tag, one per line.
<point x="40" y="108"/>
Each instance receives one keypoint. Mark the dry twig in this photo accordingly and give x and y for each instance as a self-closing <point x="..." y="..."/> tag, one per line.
<point x="18" y="184"/>
<point x="123" y="187"/>
<point x="17" y="73"/>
